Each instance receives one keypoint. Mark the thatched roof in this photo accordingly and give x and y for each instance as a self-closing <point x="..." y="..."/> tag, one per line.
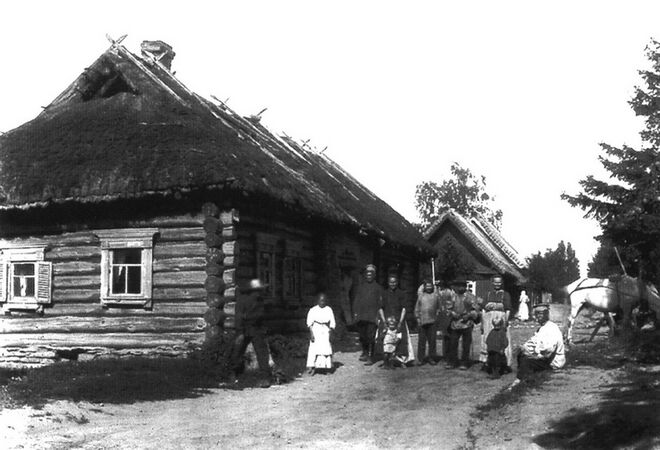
<point x="128" y="128"/>
<point x="486" y="239"/>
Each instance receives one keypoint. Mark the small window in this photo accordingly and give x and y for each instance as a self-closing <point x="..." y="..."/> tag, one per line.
<point x="292" y="277"/>
<point x="266" y="271"/>
<point x="25" y="278"/>
<point x="126" y="269"/>
<point x="126" y="266"/>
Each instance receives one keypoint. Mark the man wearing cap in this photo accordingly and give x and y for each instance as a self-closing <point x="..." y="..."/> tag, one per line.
<point x="544" y="350"/>
<point x="366" y="303"/>
<point x="248" y="321"/>
<point x="463" y="313"/>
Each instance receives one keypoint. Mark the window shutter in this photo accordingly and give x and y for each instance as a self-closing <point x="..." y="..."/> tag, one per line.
<point x="3" y="282"/>
<point x="44" y="271"/>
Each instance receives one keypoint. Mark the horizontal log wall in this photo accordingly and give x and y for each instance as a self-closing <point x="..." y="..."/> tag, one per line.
<point x="285" y="314"/>
<point x="76" y="320"/>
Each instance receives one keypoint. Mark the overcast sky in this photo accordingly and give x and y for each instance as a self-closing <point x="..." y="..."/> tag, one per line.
<point x="521" y="92"/>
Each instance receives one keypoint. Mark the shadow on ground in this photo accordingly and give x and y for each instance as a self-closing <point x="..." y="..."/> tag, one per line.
<point x="108" y="381"/>
<point x="627" y="416"/>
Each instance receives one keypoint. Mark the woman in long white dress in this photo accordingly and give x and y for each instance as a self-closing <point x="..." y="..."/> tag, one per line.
<point x="320" y="320"/>
<point x="523" y="306"/>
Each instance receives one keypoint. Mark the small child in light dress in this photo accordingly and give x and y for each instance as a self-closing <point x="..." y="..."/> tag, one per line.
<point x="391" y="340"/>
<point x="496" y="342"/>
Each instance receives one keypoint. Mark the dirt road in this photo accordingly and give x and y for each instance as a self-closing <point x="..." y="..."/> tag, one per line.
<point x="365" y="407"/>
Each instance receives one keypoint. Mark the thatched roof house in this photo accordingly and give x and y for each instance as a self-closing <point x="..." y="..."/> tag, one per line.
<point x="127" y="156"/>
<point x="487" y="251"/>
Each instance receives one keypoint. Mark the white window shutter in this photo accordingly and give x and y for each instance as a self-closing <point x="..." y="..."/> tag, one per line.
<point x="3" y="282"/>
<point x="44" y="271"/>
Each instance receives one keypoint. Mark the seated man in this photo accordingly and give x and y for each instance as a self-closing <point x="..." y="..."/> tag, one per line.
<point x="544" y="350"/>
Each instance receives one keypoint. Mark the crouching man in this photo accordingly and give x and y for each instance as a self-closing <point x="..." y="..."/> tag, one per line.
<point x="544" y="350"/>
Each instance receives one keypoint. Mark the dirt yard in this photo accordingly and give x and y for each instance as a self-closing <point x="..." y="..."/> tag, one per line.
<point x="598" y="402"/>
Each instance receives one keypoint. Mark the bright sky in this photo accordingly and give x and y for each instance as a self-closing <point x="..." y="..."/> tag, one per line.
<point x="521" y="92"/>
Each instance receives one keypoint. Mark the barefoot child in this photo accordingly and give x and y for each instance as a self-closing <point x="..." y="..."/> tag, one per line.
<point x="320" y="320"/>
<point x="391" y="339"/>
<point x="496" y="343"/>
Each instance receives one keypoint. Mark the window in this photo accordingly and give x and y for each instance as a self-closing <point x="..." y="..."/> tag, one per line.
<point x="292" y="270"/>
<point x="267" y="246"/>
<point x="25" y="278"/>
<point x="126" y="266"/>
<point x="279" y="264"/>
<point x="126" y="271"/>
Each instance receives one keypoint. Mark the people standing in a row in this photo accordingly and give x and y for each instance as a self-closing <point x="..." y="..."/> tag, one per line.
<point x="427" y="310"/>
<point x="393" y="304"/>
<point x="497" y="306"/>
<point x="464" y="312"/>
<point x="320" y="322"/>
<point x="366" y="304"/>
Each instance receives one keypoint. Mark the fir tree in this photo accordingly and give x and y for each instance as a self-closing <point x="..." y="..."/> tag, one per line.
<point x="627" y="206"/>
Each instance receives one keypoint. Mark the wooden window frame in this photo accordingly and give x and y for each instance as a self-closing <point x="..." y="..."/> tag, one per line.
<point x="31" y="253"/>
<point x="267" y="244"/>
<point x="122" y="239"/>
<point x="292" y="255"/>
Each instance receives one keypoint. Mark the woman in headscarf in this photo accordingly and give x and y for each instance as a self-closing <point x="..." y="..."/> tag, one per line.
<point x="393" y="304"/>
<point x="497" y="306"/>
<point x="523" y="306"/>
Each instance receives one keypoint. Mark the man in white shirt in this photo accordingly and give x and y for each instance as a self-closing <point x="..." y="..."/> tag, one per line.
<point x="544" y="350"/>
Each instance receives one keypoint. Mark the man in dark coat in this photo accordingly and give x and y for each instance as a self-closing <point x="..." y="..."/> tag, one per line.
<point x="249" y="317"/>
<point x="366" y="303"/>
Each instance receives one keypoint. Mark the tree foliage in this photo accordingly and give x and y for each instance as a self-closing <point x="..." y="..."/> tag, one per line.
<point x="452" y="262"/>
<point x="627" y="206"/>
<point x="553" y="270"/>
<point x="464" y="192"/>
<point x="605" y="262"/>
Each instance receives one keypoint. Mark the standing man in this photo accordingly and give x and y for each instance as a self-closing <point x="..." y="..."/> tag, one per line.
<point x="249" y="317"/>
<point x="367" y="302"/>
<point x="427" y="310"/>
<point x="544" y="350"/>
<point x="394" y="305"/>
<point x="463" y="314"/>
<point x="497" y="306"/>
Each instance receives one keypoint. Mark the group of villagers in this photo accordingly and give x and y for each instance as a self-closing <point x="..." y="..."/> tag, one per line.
<point x="379" y="315"/>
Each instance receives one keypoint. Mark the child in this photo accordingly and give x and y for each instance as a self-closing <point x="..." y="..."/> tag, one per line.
<point x="320" y="321"/>
<point x="496" y="342"/>
<point x="391" y="339"/>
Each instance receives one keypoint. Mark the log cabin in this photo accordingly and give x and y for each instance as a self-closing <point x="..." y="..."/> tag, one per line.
<point x="484" y="249"/>
<point x="132" y="210"/>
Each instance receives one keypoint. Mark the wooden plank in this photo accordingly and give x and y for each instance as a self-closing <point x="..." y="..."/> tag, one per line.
<point x="83" y="238"/>
<point x="76" y="295"/>
<point x="179" y="264"/>
<point x="76" y="268"/>
<point x="186" y="220"/>
<point x="77" y="281"/>
<point x="177" y="293"/>
<point x="164" y="309"/>
<point x="74" y="253"/>
<point x="255" y="223"/>
<point x="73" y="324"/>
<point x="179" y="279"/>
<point x="176" y="249"/>
<point x="109" y="340"/>
<point x="181" y="234"/>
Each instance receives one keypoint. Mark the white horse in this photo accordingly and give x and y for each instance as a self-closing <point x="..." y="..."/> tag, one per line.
<point x="608" y="296"/>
